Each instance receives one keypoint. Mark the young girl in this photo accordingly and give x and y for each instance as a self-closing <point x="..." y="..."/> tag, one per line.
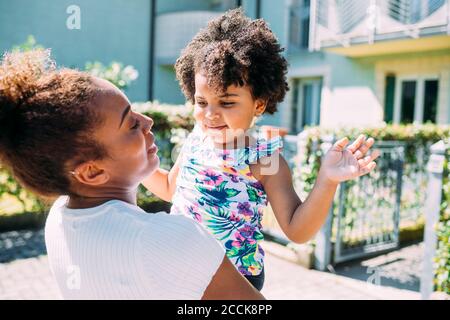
<point x="233" y="71"/>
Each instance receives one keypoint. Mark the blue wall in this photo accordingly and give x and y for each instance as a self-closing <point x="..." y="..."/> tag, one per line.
<point x="110" y="30"/>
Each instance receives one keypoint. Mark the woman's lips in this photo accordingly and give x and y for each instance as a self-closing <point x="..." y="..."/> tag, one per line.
<point x="153" y="149"/>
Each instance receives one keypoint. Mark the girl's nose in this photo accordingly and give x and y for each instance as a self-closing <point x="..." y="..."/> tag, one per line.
<point x="211" y="114"/>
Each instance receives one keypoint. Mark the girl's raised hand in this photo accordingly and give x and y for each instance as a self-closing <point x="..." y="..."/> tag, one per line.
<point x="343" y="163"/>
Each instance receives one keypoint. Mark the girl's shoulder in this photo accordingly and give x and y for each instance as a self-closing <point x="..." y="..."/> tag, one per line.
<point x="198" y="145"/>
<point x="260" y="147"/>
<point x="192" y="140"/>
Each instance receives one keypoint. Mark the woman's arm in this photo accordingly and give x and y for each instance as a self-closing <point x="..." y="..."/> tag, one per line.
<point x="229" y="284"/>
<point x="162" y="183"/>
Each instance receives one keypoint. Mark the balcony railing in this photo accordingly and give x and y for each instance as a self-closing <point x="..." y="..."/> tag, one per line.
<point x="342" y="23"/>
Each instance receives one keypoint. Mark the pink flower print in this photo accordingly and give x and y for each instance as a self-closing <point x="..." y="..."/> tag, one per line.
<point x="244" y="209"/>
<point x="245" y="234"/>
<point x="244" y="271"/>
<point x="211" y="177"/>
<point x="261" y="147"/>
<point x="233" y="177"/>
<point x="193" y="211"/>
<point x="257" y="185"/>
<point x="234" y="216"/>
<point x="226" y="155"/>
<point x="237" y="243"/>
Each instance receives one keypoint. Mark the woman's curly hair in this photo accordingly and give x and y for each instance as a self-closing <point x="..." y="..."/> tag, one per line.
<point x="235" y="50"/>
<point x="45" y="121"/>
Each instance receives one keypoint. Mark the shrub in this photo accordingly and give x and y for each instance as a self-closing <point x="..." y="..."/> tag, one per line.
<point x="115" y="72"/>
<point x="442" y="258"/>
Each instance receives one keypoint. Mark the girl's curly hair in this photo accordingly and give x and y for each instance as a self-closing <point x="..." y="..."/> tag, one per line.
<point x="235" y="50"/>
<point x="45" y="121"/>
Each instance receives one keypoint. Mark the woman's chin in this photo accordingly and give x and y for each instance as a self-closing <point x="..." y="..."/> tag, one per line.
<point x="153" y="164"/>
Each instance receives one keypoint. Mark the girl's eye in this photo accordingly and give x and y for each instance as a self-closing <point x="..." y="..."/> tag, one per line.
<point x="201" y="103"/>
<point x="136" y="125"/>
<point x="227" y="104"/>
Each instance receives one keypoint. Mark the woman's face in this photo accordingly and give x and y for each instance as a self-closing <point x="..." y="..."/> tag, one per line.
<point x="225" y="117"/>
<point x="127" y="138"/>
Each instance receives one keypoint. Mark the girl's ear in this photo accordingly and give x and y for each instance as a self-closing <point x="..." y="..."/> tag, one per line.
<point x="260" y="107"/>
<point x="89" y="173"/>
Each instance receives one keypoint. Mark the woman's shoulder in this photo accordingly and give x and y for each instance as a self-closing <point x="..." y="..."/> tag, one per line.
<point x="119" y="217"/>
<point x="117" y="212"/>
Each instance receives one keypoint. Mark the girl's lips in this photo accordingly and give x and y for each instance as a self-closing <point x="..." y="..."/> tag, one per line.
<point x="216" y="127"/>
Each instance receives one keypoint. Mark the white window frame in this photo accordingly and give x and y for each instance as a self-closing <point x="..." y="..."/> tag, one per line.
<point x="420" y="95"/>
<point x="317" y="84"/>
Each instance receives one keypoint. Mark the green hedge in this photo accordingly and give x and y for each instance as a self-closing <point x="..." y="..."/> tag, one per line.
<point x="413" y="136"/>
<point x="416" y="140"/>
<point x="442" y="259"/>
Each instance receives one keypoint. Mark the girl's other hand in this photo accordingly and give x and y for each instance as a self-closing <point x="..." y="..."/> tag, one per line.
<point x="343" y="163"/>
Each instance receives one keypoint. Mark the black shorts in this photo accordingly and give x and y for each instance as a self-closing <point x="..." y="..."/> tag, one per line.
<point x="257" y="281"/>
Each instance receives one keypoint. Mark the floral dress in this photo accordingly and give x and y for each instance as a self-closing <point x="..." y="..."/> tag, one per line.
<point x="216" y="188"/>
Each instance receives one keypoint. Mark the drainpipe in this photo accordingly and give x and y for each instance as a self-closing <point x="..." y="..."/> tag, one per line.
<point x="258" y="9"/>
<point x="152" y="48"/>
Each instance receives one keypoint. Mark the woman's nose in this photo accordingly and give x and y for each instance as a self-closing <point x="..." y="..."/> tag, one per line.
<point x="147" y="125"/>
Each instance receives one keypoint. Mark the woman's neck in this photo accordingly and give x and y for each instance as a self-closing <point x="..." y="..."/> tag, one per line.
<point x="94" y="200"/>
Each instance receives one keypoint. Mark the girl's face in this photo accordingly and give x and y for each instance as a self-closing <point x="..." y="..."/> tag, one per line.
<point x="225" y="117"/>
<point x="128" y="140"/>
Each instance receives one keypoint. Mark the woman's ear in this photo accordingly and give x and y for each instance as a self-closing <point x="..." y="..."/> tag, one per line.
<point x="260" y="107"/>
<point x="89" y="173"/>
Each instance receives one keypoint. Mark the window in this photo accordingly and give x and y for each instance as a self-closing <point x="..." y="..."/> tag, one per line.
<point x="389" y="98"/>
<point x="408" y="101"/>
<point x="306" y="103"/>
<point x="416" y="100"/>
<point x="430" y="101"/>
<point x="299" y="25"/>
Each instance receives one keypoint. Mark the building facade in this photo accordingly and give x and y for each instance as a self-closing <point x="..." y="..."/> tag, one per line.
<point x="352" y="62"/>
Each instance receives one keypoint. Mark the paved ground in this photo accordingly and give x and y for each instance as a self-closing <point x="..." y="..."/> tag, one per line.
<point x="400" y="269"/>
<point x="24" y="274"/>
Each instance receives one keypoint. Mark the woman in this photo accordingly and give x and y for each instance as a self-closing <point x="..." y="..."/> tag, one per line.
<point x="64" y="132"/>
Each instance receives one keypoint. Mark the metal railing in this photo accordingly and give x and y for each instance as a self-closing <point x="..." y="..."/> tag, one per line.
<point x="368" y="210"/>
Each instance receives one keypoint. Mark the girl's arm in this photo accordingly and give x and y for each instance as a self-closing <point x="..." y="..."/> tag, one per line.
<point x="162" y="183"/>
<point x="299" y="220"/>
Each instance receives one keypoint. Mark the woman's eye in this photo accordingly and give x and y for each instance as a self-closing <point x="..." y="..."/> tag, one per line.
<point x="136" y="125"/>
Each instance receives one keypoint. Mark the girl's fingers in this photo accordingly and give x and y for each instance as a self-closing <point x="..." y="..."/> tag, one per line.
<point x="356" y="144"/>
<point x="359" y="153"/>
<point x="368" y="168"/>
<point x="340" y="144"/>
<point x="368" y="159"/>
